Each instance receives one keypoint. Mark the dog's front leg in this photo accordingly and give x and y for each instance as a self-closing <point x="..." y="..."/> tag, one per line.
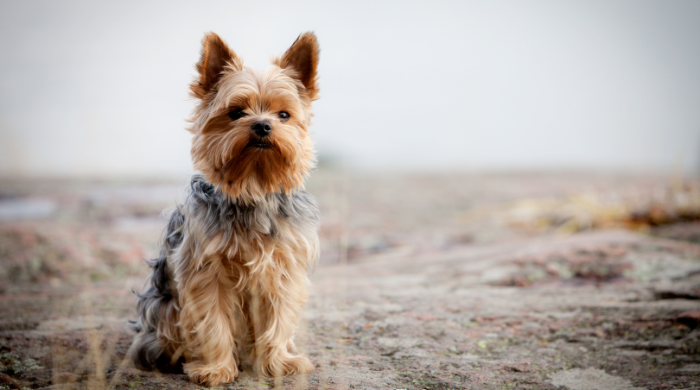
<point x="207" y="318"/>
<point x="276" y="303"/>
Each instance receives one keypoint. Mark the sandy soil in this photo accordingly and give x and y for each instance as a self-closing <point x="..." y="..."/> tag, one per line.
<point x="425" y="282"/>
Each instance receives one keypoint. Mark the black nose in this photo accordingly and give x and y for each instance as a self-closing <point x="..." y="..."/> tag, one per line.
<point x="262" y="128"/>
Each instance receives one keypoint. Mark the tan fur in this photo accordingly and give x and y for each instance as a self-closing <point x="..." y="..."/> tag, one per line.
<point x="251" y="294"/>
<point x="240" y="298"/>
<point x="220" y="147"/>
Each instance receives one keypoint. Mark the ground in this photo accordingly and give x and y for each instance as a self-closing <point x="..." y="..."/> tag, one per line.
<point x="426" y="281"/>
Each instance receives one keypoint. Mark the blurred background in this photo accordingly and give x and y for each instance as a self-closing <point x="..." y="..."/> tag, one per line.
<point x="470" y="152"/>
<point x="92" y="89"/>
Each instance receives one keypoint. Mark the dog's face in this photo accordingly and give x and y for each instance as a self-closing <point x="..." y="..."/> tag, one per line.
<point x="251" y="128"/>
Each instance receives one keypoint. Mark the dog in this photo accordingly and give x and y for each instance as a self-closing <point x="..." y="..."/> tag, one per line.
<point x="231" y="279"/>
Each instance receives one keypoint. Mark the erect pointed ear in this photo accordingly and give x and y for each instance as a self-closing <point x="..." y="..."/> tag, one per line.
<point x="215" y="57"/>
<point x="302" y="56"/>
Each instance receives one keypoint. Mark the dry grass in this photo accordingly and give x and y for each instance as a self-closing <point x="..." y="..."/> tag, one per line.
<point x="636" y="209"/>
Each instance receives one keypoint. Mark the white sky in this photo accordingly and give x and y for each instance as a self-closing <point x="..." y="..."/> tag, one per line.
<point x="92" y="89"/>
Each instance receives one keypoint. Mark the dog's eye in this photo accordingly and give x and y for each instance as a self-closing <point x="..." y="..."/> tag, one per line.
<point x="238" y="113"/>
<point x="284" y="116"/>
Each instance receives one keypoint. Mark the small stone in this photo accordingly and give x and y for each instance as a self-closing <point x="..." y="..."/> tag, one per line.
<point x="519" y="367"/>
<point x="589" y="379"/>
<point x="633" y="353"/>
<point x="690" y="368"/>
<point x="469" y="357"/>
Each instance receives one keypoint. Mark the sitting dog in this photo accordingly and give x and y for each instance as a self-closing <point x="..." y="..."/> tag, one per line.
<point x="231" y="278"/>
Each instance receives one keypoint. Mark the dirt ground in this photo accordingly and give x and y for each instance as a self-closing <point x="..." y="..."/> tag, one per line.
<point x="451" y="281"/>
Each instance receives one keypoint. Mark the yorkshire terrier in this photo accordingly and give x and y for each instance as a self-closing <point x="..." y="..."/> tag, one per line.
<point x="231" y="278"/>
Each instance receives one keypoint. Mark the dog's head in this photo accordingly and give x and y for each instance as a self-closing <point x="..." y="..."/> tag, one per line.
<point x="250" y="127"/>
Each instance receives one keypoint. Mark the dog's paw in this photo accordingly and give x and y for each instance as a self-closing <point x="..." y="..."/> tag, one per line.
<point x="212" y="374"/>
<point x="288" y="365"/>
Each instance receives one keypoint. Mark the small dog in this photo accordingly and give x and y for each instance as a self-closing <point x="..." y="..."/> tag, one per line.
<point x="231" y="278"/>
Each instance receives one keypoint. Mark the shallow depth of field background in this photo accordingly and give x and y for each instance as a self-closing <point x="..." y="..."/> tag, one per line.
<point x="509" y="190"/>
<point x="92" y="89"/>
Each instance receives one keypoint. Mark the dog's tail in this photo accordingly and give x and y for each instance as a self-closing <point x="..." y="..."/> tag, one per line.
<point x="157" y="337"/>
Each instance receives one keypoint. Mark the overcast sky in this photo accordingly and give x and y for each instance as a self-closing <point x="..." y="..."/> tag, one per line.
<point x="98" y="88"/>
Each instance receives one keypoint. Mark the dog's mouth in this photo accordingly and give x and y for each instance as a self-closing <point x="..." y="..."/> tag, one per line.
<point x="259" y="144"/>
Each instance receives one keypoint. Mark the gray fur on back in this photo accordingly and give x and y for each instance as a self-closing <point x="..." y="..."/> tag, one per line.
<point x="212" y="213"/>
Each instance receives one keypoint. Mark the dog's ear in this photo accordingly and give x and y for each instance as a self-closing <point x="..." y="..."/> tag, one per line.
<point x="216" y="56"/>
<point x="302" y="57"/>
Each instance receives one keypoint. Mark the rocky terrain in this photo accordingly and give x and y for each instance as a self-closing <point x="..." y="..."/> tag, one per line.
<point x="450" y="281"/>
